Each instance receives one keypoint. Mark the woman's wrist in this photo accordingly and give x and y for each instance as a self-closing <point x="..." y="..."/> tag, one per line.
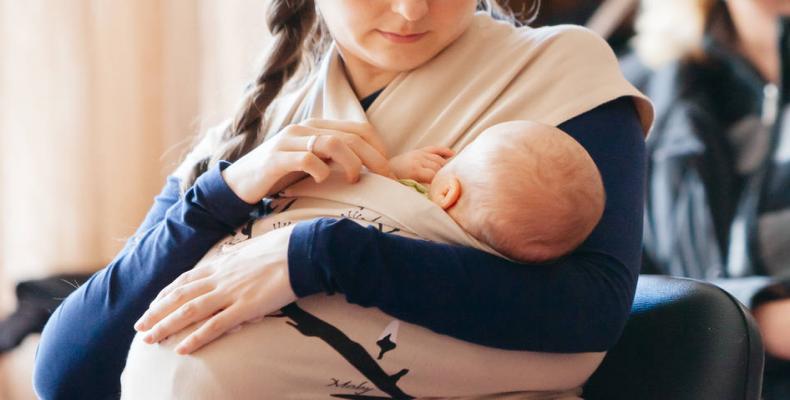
<point x="242" y="183"/>
<point x="214" y="194"/>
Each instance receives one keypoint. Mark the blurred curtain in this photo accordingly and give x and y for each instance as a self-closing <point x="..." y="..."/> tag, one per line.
<point x="98" y="100"/>
<point x="95" y="99"/>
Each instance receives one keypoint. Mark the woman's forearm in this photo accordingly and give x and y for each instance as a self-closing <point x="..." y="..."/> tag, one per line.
<point x="578" y="305"/>
<point x="84" y="344"/>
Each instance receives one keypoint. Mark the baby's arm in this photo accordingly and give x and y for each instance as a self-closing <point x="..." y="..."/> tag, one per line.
<point x="421" y="164"/>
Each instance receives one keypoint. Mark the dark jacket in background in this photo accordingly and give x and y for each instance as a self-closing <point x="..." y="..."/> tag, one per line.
<point x="717" y="198"/>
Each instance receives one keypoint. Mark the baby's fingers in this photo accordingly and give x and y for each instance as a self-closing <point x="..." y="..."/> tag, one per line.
<point x="436" y="159"/>
<point x="444" y="152"/>
<point x="432" y="165"/>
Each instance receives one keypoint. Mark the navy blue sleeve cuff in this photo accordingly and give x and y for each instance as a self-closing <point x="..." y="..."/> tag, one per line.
<point x="305" y="275"/>
<point x="214" y="194"/>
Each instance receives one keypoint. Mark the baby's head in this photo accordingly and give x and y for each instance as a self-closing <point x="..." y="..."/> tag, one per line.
<point x="526" y="189"/>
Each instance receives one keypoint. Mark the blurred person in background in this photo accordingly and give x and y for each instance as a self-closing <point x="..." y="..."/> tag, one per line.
<point x="718" y="203"/>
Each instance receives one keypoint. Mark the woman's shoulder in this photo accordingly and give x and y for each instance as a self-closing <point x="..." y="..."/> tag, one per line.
<point x="565" y="52"/>
<point x="565" y="33"/>
<point x="579" y="68"/>
<point x="564" y="38"/>
<point x="571" y="43"/>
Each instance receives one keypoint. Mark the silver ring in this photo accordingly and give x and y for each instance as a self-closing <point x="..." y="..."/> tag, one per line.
<point x="311" y="143"/>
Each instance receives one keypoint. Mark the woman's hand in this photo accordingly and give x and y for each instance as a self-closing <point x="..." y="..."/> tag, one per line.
<point x="244" y="285"/>
<point x="421" y="164"/>
<point x="773" y="318"/>
<point x="284" y="158"/>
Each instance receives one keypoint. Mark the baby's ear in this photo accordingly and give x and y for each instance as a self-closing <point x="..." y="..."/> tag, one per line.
<point x="448" y="193"/>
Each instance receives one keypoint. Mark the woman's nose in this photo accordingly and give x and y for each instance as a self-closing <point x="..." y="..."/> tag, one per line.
<point x="411" y="10"/>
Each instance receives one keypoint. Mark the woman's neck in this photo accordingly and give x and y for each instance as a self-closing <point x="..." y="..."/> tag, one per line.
<point x="364" y="78"/>
<point x="758" y="34"/>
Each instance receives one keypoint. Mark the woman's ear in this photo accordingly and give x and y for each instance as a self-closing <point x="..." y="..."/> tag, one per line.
<point x="449" y="192"/>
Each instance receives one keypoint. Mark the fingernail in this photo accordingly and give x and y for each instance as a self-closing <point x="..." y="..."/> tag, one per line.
<point x="148" y="339"/>
<point x="138" y="326"/>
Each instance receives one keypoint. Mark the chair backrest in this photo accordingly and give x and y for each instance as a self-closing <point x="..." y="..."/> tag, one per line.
<point x="685" y="339"/>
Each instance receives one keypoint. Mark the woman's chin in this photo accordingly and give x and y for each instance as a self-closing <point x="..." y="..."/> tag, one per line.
<point x="401" y="57"/>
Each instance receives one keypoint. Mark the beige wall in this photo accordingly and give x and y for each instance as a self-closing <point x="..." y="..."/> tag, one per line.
<point x="93" y="94"/>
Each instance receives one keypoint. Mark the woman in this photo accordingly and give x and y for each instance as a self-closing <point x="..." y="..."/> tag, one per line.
<point x="717" y="187"/>
<point x="427" y="55"/>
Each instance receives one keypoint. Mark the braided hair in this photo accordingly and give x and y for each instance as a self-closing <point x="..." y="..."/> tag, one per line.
<point x="296" y="38"/>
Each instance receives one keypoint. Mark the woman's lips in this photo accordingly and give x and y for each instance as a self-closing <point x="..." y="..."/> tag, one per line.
<point x="394" y="37"/>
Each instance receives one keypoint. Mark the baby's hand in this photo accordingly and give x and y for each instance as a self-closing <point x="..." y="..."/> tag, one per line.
<point x="421" y="164"/>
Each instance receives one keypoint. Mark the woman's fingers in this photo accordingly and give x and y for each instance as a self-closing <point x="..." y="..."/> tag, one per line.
<point x="371" y="149"/>
<point x="437" y="159"/>
<point x="308" y="163"/>
<point x="363" y="129"/>
<point x="326" y="147"/>
<point x="161" y="308"/>
<point x="183" y="279"/>
<point x="334" y="148"/>
<point x="189" y="313"/>
<point x="432" y="165"/>
<point x="348" y="149"/>
<point x="213" y="328"/>
<point x="369" y="155"/>
<point x="244" y="176"/>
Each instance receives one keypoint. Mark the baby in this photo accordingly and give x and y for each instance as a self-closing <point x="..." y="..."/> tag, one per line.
<point x="526" y="189"/>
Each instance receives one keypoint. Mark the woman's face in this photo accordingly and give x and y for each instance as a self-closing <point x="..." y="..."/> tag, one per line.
<point x="395" y="35"/>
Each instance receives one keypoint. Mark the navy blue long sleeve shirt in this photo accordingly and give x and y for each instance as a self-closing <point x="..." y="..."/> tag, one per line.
<point x="579" y="304"/>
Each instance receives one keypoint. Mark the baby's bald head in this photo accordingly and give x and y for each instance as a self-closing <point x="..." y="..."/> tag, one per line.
<point x="527" y="189"/>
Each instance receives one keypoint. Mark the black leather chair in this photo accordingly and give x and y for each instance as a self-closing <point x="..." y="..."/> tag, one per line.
<point x="685" y="339"/>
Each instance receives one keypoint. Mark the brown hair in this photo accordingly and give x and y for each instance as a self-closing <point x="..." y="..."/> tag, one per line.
<point x="299" y="41"/>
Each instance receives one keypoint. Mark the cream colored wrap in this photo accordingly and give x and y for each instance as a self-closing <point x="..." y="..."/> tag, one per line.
<point x="324" y="347"/>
